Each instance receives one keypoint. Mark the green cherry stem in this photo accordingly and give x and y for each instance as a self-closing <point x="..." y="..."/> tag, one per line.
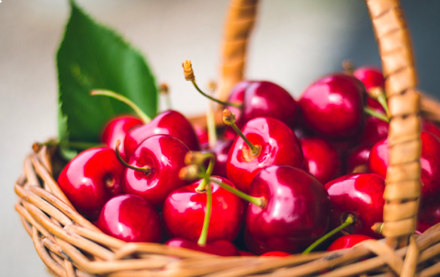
<point x="382" y="99"/>
<point x="189" y="76"/>
<point x="210" y="120"/>
<point x="146" y="169"/>
<point x="204" y="235"/>
<point x="349" y="220"/>
<point x="206" y="177"/>
<point x="143" y="116"/>
<point x="374" y="113"/>
<point x="259" y="201"/>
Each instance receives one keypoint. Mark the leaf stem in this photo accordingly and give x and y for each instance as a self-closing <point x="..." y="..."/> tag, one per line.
<point x="349" y="220"/>
<point x="143" y="116"/>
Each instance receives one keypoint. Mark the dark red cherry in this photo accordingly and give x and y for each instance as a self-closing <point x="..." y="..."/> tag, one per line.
<point x="165" y="156"/>
<point x="321" y="159"/>
<point x="296" y="211"/>
<point x="219" y="247"/>
<point x="90" y="179"/>
<point x="375" y="129"/>
<point x="347" y="241"/>
<point x="430" y="212"/>
<point x="246" y="253"/>
<point x="236" y="96"/>
<point x="221" y="152"/>
<point x="167" y="123"/>
<point x="358" y="157"/>
<point x="252" y="245"/>
<point x="266" y="99"/>
<point x="278" y="146"/>
<point x="430" y="127"/>
<point x="117" y="128"/>
<point x="202" y="135"/>
<point x="370" y="76"/>
<point x="332" y="107"/>
<point x="130" y="218"/>
<point x="360" y="195"/>
<point x="429" y="161"/>
<point x="184" y="212"/>
<point x="422" y="227"/>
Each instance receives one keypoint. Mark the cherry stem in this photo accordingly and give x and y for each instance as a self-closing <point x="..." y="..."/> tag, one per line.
<point x="204" y="234"/>
<point x="348" y="221"/>
<point x="382" y="99"/>
<point x="206" y="177"/>
<point x="146" y="169"/>
<point x="259" y="201"/>
<point x="210" y="119"/>
<point x="376" y="114"/>
<point x="164" y="90"/>
<point x="229" y="119"/>
<point x="143" y="116"/>
<point x="69" y="144"/>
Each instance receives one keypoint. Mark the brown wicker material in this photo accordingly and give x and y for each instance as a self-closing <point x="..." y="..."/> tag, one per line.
<point x="70" y="245"/>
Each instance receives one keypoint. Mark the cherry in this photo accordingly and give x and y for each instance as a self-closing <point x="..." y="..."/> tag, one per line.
<point x="359" y="195"/>
<point x="347" y="241"/>
<point x="320" y="159"/>
<point x="246" y="253"/>
<point x="221" y="152"/>
<point x="296" y="211"/>
<point x="219" y="247"/>
<point x="429" y="213"/>
<point x="236" y="96"/>
<point x="202" y="135"/>
<point x="90" y="179"/>
<point x="429" y="161"/>
<point x="332" y="107"/>
<point x="130" y="218"/>
<point x="422" y="227"/>
<point x="275" y="254"/>
<point x="273" y="144"/>
<point x="430" y="127"/>
<point x="357" y="159"/>
<point x="154" y="168"/>
<point x="184" y="212"/>
<point x="117" y="128"/>
<point x="371" y="77"/>
<point x="252" y="245"/>
<point x="375" y="128"/>
<point x="167" y="123"/>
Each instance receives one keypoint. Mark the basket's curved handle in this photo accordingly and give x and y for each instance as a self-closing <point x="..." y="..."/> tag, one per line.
<point x="403" y="177"/>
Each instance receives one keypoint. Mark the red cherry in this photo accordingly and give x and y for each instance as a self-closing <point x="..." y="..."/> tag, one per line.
<point x="236" y="96"/>
<point x="371" y="77"/>
<point x="278" y="146"/>
<point x="360" y="195"/>
<point x="422" y="227"/>
<point x="167" y="123"/>
<point x="221" y="152"/>
<point x="131" y="219"/>
<point x="333" y="106"/>
<point x="321" y="159"/>
<point x="430" y="127"/>
<point x="266" y="99"/>
<point x="246" y="253"/>
<point x="219" y="247"/>
<point x="296" y="211"/>
<point x="275" y="254"/>
<point x="429" y="161"/>
<point x="358" y="157"/>
<point x="184" y="213"/>
<point x="91" y="179"/>
<point x="165" y="156"/>
<point x="347" y="241"/>
<point x="252" y="245"/>
<point x="202" y="134"/>
<point x="429" y="213"/>
<point x="117" y="128"/>
<point x="375" y="129"/>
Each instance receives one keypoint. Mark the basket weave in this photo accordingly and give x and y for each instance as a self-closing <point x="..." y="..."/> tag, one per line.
<point x="70" y="245"/>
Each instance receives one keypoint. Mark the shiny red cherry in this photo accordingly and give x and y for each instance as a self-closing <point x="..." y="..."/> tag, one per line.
<point x="429" y="161"/>
<point x="219" y="247"/>
<point x="320" y="159"/>
<point x="430" y="127"/>
<point x="236" y="96"/>
<point x="358" y="157"/>
<point x="370" y="76"/>
<point x="117" y="128"/>
<point x="90" y="179"/>
<point x="296" y="212"/>
<point x="275" y="254"/>
<point x="347" y="241"/>
<point x="375" y="129"/>
<point x="221" y="152"/>
<point x="165" y="156"/>
<point x="277" y="144"/>
<point x="360" y="195"/>
<point x="332" y="107"/>
<point x="130" y="218"/>
<point x="266" y="99"/>
<point x="184" y="212"/>
<point x="167" y="123"/>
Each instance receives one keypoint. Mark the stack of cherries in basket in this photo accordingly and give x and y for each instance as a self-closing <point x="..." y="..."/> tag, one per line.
<point x="285" y="176"/>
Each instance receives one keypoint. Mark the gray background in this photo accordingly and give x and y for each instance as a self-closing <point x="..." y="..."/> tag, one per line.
<point x="295" y="43"/>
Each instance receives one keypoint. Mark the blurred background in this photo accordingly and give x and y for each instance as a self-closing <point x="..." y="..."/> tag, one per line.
<point x="294" y="43"/>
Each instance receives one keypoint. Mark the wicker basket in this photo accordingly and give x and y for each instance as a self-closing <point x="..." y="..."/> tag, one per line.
<point x="70" y="245"/>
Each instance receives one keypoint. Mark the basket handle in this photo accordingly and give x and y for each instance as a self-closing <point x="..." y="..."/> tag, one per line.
<point x="403" y="176"/>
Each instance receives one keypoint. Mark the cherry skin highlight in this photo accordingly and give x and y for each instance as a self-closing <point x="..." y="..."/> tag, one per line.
<point x="184" y="212"/>
<point x="130" y="218"/>
<point x="296" y="212"/>
<point x="278" y="146"/>
<point x="332" y="107"/>
<point x="165" y="155"/>
<point x="347" y="241"/>
<point x="90" y="179"/>
<point x="167" y="123"/>
<point x="360" y="195"/>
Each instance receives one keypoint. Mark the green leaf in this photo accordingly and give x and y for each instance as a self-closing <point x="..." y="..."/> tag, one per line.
<point x="92" y="56"/>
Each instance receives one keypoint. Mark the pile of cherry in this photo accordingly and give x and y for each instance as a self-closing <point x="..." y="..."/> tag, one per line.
<point x="297" y="170"/>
